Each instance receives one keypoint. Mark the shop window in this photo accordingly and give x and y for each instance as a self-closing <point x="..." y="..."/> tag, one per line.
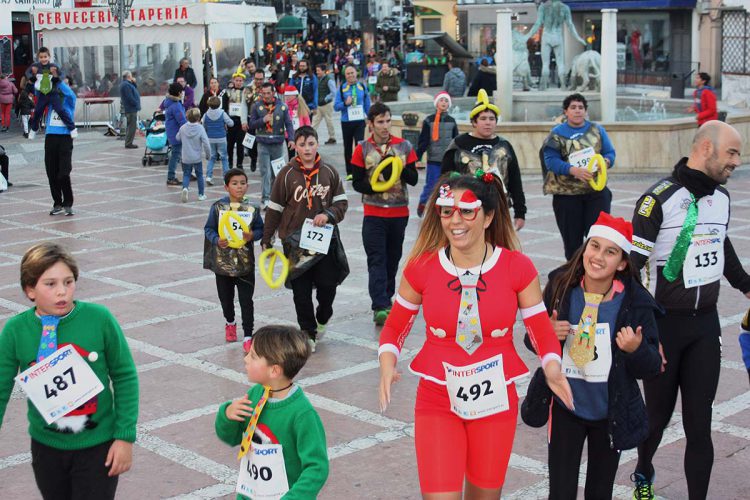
<point x="95" y="71"/>
<point x="643" y="41"/>
<point x="229" y="52"/>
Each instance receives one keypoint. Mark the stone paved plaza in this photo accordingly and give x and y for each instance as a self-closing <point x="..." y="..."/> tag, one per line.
<point x="140" y="252"/>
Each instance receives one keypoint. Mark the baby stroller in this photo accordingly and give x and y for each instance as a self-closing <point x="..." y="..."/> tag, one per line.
<point x="157" y="149"/>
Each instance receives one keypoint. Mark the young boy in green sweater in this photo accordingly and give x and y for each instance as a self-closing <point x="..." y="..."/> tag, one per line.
<point x="78" y="372"/>
<point x="287" y="457"/>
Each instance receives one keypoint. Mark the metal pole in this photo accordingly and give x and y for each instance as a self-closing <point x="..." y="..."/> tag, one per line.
<point x="401" y="29"/>
<point x="120" y="9"/>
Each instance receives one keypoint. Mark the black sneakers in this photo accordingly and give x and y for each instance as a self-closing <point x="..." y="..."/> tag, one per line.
<point x="56" y="210"/>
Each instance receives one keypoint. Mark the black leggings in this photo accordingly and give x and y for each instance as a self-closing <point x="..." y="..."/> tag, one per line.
<point x="575" y="214"/>
<point x="564" y="456"/>
<point x="352" y="133"/>
<point x="235" y="136"/>
<point x="73" y="474"/>
<point x="245" y="288"/>
<point x="322" y="276"/>
<point x="692" y="346"/>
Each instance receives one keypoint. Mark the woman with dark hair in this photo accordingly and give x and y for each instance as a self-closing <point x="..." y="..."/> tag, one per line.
<point x="704" y="100"/>
<point x="614" y="343"/>
<point x="466" y="271"/>
<point x="213" y="90"/>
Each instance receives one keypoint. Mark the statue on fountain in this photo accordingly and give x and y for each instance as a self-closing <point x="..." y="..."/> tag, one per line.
<point x="521" y="67"/>
<point x="585" y="71"/>
<point x="553" y="15"/>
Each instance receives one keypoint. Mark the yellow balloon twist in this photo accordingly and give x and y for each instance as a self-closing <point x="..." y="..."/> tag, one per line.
<point x="397" y="167"/>
<point x="601" y="179"/>
<point x="225" y="229"/>
<point x="266" y="271"/>
<point x="483" y="104"/>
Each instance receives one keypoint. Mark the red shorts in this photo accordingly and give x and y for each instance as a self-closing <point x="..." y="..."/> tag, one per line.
<point x="450" y="448"/>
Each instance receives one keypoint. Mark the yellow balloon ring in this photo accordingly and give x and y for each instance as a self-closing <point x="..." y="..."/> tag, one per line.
<point x="266" y="270"/>
<point x="397" y="167"/>
<point x="226" y="230"/>
<point x="600" y="178"/>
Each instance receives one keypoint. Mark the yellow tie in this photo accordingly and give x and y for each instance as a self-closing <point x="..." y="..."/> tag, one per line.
<point x="582" y="350"/>
<point x="247" y="436"/>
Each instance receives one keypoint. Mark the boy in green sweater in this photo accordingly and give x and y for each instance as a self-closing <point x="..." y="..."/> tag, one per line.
<point x="287" y="457"/>
<point x="78" y="372"/>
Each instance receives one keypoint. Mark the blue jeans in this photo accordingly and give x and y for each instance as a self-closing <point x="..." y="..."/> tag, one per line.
<point x="266" y="153"/>
<point x="187" y="168"/>
<point x="218" y="150"/>
<point x="383" y="239"/>
<point x="433" y="174"/>
<point x="174" y="157"/>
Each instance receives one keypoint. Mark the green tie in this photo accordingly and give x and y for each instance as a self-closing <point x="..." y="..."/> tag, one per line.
<point x="676" y="259"/>
<point x="45" y="86"/>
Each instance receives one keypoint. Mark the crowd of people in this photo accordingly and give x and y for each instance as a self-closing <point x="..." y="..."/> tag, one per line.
<point x="596" y="327"/>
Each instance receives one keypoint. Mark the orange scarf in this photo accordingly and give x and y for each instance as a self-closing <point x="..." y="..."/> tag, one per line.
<point x="436" y="127"/>
<point x="309" y="173"/>
<point x="271" y="108"/>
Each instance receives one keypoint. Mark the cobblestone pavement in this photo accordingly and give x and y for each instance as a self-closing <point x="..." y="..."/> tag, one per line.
<point x="140" y="251"/>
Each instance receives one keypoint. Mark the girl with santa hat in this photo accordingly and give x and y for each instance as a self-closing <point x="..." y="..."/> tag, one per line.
<point x="604" y="319"/>
<point x="466" y="271"/>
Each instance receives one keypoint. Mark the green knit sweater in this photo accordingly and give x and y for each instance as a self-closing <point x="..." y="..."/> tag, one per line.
<point x="297" y="428"/>
<point x="93" y="329"/>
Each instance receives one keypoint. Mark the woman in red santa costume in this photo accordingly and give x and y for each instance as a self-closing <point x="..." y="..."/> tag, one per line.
<point x="467" y="274"/>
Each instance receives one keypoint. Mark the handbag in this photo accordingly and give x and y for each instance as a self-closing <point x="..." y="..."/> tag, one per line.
<point x="535" y="407"/>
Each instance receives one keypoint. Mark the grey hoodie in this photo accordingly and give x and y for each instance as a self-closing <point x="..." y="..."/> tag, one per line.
<point x="193" y="137"/>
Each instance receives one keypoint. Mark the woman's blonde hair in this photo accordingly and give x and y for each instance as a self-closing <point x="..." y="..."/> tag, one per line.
<point x="304" y="109"/>
<point x="500" y="232"/>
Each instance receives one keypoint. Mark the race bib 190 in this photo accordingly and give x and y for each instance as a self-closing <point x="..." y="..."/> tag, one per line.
<point x="60" y="383"/>
<point x="582" y="158"/>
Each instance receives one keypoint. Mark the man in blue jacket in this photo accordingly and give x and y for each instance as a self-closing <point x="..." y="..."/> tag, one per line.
<point x="58" y="154"/>
<point x="174" y="112"/>
<point x="131" y="105"/>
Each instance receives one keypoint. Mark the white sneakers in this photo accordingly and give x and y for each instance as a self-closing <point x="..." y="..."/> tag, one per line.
<point x="184" y="195"/>
<point x="32" y="134"/>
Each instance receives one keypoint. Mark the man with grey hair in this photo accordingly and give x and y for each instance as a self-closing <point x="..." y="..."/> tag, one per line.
<point x="130" y="100"/>
<point x="680" y="241"/>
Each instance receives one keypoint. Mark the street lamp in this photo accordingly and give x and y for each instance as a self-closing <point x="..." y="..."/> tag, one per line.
<point x="120" y="9"/>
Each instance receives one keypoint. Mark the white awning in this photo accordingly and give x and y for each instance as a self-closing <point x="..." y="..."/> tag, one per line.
<point x="154" y="15"/>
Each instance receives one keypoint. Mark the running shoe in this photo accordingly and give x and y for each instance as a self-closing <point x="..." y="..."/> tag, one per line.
<point x="230" y="332"/>
<point x="69" y="211"/>
<point x="184" y="195"/>
<point x="32" y="134"/>
<point x="209" y="181"/>
<point x="349" y="177"/>
<point x="174" y="182"/>
<point x="57" y="209"/>
<point x="379" y="316"/>
<point x="246" y="344"/>
<point x="201" y="197"/>
<point x="644" y="489"/>
<point x="331" y="141"/>
<point x="321" y="329"/>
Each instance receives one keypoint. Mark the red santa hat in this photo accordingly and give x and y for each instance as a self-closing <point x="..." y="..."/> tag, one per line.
<point x="443" y="95"/>
<point x="615" y="229"/>
<point x="291" y="90"/>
